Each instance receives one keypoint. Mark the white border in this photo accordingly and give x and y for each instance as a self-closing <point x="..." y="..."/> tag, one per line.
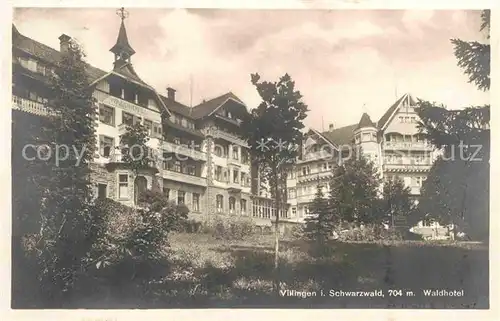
<point x="244" y="314"/>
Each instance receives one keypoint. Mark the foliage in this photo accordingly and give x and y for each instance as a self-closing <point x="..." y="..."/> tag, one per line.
<point x="273" y="131"/>
<point x="133" y="241"/>
<point x="354" y="191"/>
<point x="320" y="224"/>
<point x="474" y="57"/>
<point x="231" y="227"/>
<point x="66" y="218"/>
<point x="396" y="201"/>
<point x="457" y="188"/>
<point x="368" y="233"/>
<point x="134" y="149"/>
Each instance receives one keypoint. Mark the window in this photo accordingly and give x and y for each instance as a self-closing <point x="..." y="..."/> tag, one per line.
<point x="196" y="202"/>
<point x="106" y="115"/>
<point x="219" y="199"/>
<point x="218" y="173"/>
<point x="401" y="119"/>
<point x="218" y="151"/>
<point x="191" y="170"/>
<point x="183" y="122"/>
<point x="325" y="166"/>
<point x="166" y="192"/>
<point x="177" y="166"/>
<point x="294" y="211"/>
<point x="149" y="126"/>
<point x="232" y="204"/>
<point x="102" y="191"/>
<point x="243" y="205"/>
<point x="180" y="197"/>
<point x="292" y="193"/>
<point x="244" y="156"/>
<point x="235" y="152"/>
<point x="123" y="186"/>
<point x="127" y="119"/>
<point x="106" y="145"/>
<point x="236" y="175"/>
<point x="157" y="129"/>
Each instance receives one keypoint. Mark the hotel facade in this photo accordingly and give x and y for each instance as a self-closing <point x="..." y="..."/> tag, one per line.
<point x="198" y="156"/>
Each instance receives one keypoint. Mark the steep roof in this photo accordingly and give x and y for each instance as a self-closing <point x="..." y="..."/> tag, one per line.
<point x="365" y="121"/>
<point x="122" y="44"/>
<point x="387" y="115"/>
<point x="46" y="53"/>
<point x="341" y="135"/>
<point x="177" y="107"/>
<point x="127" y="70"/>
<point x="209" y="106"/>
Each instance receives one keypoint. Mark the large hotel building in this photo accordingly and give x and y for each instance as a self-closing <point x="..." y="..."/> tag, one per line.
<point x="201" y="160"/>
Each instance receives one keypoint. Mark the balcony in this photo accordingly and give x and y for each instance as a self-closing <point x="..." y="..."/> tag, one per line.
<point x="404" y="167"/>
<point x="314" y="176"/>
<point x="230" y="137"/>
<point x="184" y="178"/>
<point x="305" y="198"/>
<point x="184" y="150"/>
<point x="408" y="146"/>
<point x="321" y="155"/>
<point x="30" y="106"/>
<point x="232" y="186"/>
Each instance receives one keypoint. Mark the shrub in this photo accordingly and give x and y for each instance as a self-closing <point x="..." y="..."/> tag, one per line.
<point x="368" y="233"/>
<point x="130" y="243"/>
<point x="230" y="227"/>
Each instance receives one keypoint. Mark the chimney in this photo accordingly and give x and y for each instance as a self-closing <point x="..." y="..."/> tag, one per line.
<point x="331" y="127"/>
<point x="64" y="42"/>
<point x="171" y="93"/>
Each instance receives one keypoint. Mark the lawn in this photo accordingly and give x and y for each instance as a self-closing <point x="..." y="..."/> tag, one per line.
<point x="210" y="273"/>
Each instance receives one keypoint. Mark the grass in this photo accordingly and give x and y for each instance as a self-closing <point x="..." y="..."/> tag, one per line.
<point x="204" y="272"/>
<point x="210" y="273"/>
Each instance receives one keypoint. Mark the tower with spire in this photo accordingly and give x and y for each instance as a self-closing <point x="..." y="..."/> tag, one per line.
<point x="122" y="48"/>
<point x="366" y="137"/>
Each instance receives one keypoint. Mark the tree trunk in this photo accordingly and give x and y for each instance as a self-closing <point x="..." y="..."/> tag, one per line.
<point x="276" y="234"/>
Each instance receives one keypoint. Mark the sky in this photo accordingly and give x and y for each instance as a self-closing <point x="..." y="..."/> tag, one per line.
<point x="344" y="62"/>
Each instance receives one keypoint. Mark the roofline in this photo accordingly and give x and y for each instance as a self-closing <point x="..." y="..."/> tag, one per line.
<point x="384" y="126"/>
<point x="325" y="139"/>
<point x="225" y="101"/>
<point x="135" y="82"/>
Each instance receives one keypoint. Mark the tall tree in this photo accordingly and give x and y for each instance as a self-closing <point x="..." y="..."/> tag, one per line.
<point x="396" y="201"/>
<point x="457" y="189"/>
<point x="65" y="212"/>
<point x="355" y="190"/>
<point x="321" y="223"/>
<point x="273" y="131"/>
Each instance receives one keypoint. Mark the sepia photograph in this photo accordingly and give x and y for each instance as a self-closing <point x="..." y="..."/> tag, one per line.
<point x="232" y="158"/>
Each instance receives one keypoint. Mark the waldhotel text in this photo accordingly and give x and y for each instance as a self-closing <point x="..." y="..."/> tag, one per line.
<point x="376" y="293"/>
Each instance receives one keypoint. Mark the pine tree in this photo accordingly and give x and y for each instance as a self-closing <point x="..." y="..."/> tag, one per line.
<point x="396" y="202"/>
<point x="320" y="224"/>
<point x="354" y="190"/>
<point x="66" y="212"/>
<point x="457" y="188"/>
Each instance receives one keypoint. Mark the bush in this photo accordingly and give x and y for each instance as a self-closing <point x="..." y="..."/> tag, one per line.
<point x="368" y="233"/>
<point x="230" y="227"/>
<point x="129" y="242"/>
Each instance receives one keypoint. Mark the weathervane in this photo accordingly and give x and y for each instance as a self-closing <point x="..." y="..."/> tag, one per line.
<point x="122" y="13"/>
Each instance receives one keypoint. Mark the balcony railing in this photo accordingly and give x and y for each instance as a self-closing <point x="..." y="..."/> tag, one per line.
<point x="321" y="155"/>
<point x="185" y="178"/>
<point x="314" y="176"/>
<point x="407" y="167"/>
<point x="407" y="145"/>
<point x="230" y="137"/>
<point x="30" y="106"/>
<point x="184" y="150"/>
